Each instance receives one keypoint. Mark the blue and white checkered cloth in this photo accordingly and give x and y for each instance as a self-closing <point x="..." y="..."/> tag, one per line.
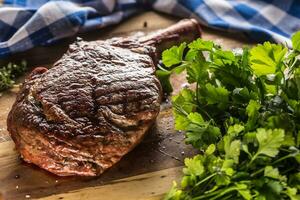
<point x="28" y="23"/>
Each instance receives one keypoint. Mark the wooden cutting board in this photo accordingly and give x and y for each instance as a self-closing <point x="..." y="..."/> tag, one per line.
<point x="145" y="173"/>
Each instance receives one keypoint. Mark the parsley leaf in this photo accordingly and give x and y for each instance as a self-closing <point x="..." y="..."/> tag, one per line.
<point x="296" y="41"/>
<point x="183" y="105"/>
<point x="232" y="149"/>
<point x="200" y="132"/>
<point x="173" y="55"/>
<point x="201" y="45"/>
<point x="215" y="95"/>
<point x="273" y="173"/>
<point x="164" y="78"/>
<point x="193" y="167"/>
<point x="267" y="58"/>
<point x="269" y="141"/>
<point x="252" y="111"/>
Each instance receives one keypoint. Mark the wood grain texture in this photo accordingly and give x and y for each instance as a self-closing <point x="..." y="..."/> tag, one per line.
<point x="146" y="186"/>
<point x="145" y="173"/>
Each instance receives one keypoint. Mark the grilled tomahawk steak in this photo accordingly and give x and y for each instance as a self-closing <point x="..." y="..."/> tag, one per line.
<point x="94" y="105"/>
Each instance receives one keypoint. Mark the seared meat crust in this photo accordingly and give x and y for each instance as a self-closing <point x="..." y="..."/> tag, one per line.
<point x="81" y="116"/>
<point x="94" y="105"/>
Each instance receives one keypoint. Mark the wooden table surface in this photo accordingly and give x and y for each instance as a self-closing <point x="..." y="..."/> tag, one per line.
<point x="145" y="173"/>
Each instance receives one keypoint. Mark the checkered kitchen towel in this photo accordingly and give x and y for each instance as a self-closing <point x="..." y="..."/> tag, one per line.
<point x="28" y="23"/>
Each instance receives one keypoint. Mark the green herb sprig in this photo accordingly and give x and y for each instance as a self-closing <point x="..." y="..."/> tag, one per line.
<point x="243" y="116"/>
<point x="9" y="73"/>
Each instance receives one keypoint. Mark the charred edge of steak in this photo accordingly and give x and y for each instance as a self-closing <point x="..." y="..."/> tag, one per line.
<point x="65" y="160"/>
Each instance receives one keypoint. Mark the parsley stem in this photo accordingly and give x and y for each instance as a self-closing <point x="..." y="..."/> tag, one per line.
<point x="206" y="185"/>
<point x="197" y="93"/>
<point x="252" y="159"/>
<point x="275" y="162"/>
<point x="225" y="192"/>
<point x="257" y="172"/>
<point x="228" y="197"/>
<point x="204" y="180"/>
<point x="287" y="170"/>
<point x="281" y="159"/>
<point x="219" y="194"/>
<point x="207" y="115"/>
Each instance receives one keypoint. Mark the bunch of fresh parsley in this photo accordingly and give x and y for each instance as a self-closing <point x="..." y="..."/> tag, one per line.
<point x="9" y="73"/>
<point x="242" y="112"/>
